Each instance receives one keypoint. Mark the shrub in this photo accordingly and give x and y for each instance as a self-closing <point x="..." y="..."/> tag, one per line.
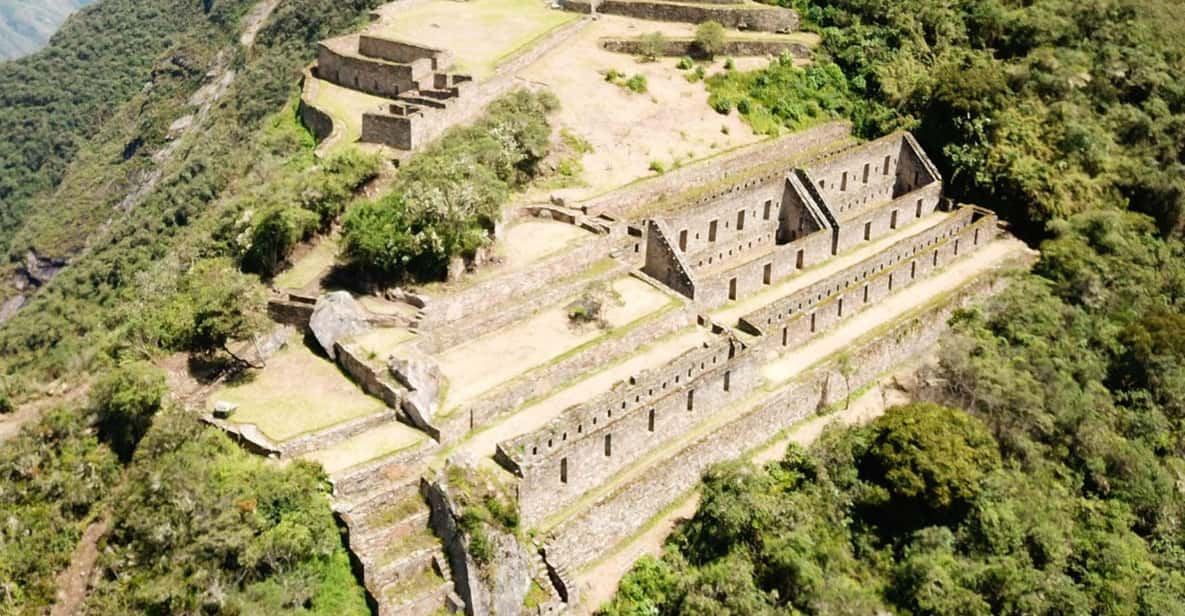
<point x="276" y="233"/>
<point x="709" y="38"/>
<point x="447" y="199"/>
<point x="729" y="64"/>
<point x="636" y="84"/>
<point x="743" y="106"/>
<point x="685" y="63"/>
<point x="657" y="166"/>
<point x="613" y="75"/>
<point x="652" y="45"/>
<point x="722" y="104"/>
<point x="124" y="401"/>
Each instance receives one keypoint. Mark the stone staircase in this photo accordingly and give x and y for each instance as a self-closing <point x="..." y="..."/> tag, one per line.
<point x="403" y="565"/>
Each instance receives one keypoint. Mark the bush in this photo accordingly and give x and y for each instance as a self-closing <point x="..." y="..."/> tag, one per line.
<point x="722" y="104"/>
<point x="636" y="84"/>
<point x="743" y="106"/>
<point x="729" y="64"/>
<point x="709" y="38"/>
<point x="447" y="199"/>
<point x="124" y="401"/>
<point x="652" y="45"/>
<point x="657" y="166"/>
<point x="613" y="75"/>
<point x="276" y="233"/>
<point x="685" y="63"/>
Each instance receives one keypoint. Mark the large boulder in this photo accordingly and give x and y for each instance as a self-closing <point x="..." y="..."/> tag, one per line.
<point x="421" y="376"/>
<point x="336" y="316"/>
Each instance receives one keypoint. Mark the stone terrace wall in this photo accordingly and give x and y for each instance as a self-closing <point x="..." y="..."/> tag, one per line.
<point x="613" y="518"/>
<point x="665" y="263"/>
<point x="546" y="379"/>
<point x="319" y="123"/>
<point x="403" y="53"/>
<point x="714" y="290"/>
<point x="590" y="443"/>
<point x="814" y="309"/>
<point x="674" y="184"/>
<point x="372" y="76"/>
<point x="458" y="316"/>
<point x="735" y="48"/>
<point x="740" y="17"/>
<point x="873" y="222"/>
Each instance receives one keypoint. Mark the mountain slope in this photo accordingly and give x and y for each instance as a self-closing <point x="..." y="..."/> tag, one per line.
<point x="26" y="25"/>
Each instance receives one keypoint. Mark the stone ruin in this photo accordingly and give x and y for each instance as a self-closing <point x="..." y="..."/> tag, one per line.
<point x="415" y="78"/>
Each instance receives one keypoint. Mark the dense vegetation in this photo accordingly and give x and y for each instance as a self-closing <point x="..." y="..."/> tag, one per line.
<point x="1056" y="492"/>
<point x="26" y="25"/>
<point x="53" y="101"/>
<point x="447" y="199"/>
<point x="1037" y="109"/>
<point x="197" y="525"/>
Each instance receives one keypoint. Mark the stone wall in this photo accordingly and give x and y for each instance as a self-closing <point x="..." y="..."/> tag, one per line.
<point x="701" y="182"/>
<point x="589" y="443"/>
<point x="819" y="307"/>
<point x="665" y="263"/>
<point x="733" y="48"/>
<point x="593" y="532"/>
<point x="455" y="316"/>
<point x="877" y="221"/>
<point x="762" y="320"/>
<point x="402" y="52"/>
<point x="422" y="129"/>
<point x="545" y="379"/>
<point x="869" y="174"/>
<point x="750" y="276"/>
<point x="762" y="18"/>
<point x="319" y="123"/>
<point x="376" y="77"/>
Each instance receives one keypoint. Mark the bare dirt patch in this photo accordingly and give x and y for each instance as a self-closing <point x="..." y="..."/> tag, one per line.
<point x="671" y="123"/>
<point x="481" y="33"/>
<point x="530" y="240"/>
<point x="480" y="365"/>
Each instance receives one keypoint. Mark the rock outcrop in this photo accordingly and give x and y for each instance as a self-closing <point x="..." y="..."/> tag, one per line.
<point x="337" y="316"/>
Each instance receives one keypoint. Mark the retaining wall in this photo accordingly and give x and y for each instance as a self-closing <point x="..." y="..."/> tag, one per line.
<point x="589" y="443"/>
<point x="815" y="309"/>
<point x="613" y="518"/>
<point x="546" y="379"/>
<point x="762" y="18"/>
<point x="688" y="47"/>
<point x="683" y="187"/>
<point x="751" y="276"/>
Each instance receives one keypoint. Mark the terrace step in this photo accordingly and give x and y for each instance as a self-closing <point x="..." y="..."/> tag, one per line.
<point x="425" y="594"/>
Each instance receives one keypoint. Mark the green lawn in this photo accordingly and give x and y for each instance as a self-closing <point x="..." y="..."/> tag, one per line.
<point x="297" y="393"/>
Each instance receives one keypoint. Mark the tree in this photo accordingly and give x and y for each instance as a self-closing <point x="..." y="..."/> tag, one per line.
<point x="709" y="38"/>
<point x="124" y="401"/>
<point x="226" y="305"/>
<point x="652" y="45"/>
<point x="931" y="460"/>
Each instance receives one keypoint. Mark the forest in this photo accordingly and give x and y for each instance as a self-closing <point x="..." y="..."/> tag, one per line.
<point x="1041" y="471"/>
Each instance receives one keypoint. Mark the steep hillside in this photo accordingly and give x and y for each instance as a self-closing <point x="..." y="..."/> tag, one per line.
<point x="26" y="25"/>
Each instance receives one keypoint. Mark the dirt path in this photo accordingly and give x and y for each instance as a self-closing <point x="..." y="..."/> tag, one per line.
<point x="254" y="21"/>
<point x="73" y="582"/>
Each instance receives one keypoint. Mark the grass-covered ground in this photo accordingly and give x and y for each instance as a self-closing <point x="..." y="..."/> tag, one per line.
<point x="299" y="392"/>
